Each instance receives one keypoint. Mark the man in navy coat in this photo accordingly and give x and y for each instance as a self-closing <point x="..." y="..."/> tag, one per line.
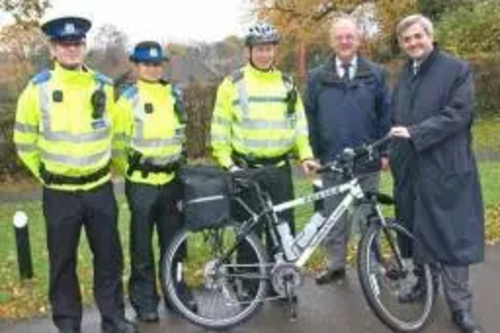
<point x="347" y="105"/>
<point x="437" y="189"/>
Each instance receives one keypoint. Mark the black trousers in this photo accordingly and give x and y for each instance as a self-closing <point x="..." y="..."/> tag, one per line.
<point x="278" y="183"/>
<point x="65" y="214"/>
<point x="151" y="207"/>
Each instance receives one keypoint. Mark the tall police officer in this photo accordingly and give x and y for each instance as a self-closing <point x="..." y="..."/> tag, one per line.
<point x="63" y="135"/>
<point x="259" y="119"/>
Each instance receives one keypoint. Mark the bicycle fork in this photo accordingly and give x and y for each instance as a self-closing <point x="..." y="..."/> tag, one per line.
<point x="401" y="271"/>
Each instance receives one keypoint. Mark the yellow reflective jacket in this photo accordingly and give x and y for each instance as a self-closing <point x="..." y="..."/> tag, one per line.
<point x="148" y="126"/>
<point x="56" y="127"/>
<point x="251" y="117"/>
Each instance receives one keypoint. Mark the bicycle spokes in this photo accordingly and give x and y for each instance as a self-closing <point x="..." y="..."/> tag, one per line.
<point x="387" y="279"/>
<point x="225" y="286"/>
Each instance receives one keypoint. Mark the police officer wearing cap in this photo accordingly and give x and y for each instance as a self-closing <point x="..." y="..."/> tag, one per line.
<point x="148" y="151"/>
<point x="259" y="121"/>
<point x="63" y="135"/>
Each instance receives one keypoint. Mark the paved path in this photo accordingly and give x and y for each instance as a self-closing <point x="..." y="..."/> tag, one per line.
<point x="328" y="309"/>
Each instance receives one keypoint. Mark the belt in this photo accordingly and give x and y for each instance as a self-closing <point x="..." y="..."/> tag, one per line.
<point x="50" y="178"/>
<point x="146" y="168"/>
<point x="137" y="162"/>
<point x="249" y="161"/>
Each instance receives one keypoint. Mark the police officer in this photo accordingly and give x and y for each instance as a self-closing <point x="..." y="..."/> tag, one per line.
<point x="149" y="151"/>
<point x="63" y="135"/>
<point x="259" y="119"/>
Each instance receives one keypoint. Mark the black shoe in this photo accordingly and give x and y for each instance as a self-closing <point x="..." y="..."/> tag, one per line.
<point x="329" y="276"/>
<point x="188" y="298"/>
<point x="419" y="291"/>
<point x="148" y="317"/>
<point x="415" y="295"/>
<point x="466" y="322"/>
<point x="119" y="325"/>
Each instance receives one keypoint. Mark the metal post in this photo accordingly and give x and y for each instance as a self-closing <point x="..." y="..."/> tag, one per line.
<point x="20" y="222"/>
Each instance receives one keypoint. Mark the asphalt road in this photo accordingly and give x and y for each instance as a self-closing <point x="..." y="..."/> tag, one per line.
<point x="336" y="308"/>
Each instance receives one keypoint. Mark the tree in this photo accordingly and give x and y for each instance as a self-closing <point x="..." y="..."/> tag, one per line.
<point x="470" y="32"/>
<point x="388" y="15"/>
<point x="25" y="11"/>
<point x="21" y="43"/>
<point x="306" y="22"/>
<point x="434" y="9"/>
<point x="300" y="19"/>
<point x="22" y="50"/>
<point x="109" y="50"/>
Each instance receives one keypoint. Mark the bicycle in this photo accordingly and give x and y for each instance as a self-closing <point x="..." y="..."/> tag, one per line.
<point x="228" y="291"/>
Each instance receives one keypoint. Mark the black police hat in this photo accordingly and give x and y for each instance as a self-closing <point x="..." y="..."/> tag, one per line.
<point x="148" y="51"/>
<point x="69" y="28"/>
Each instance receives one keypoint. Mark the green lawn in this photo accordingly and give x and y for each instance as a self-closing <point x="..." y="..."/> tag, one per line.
<point x="23" y="299"/>
<point x="486" y="133"/>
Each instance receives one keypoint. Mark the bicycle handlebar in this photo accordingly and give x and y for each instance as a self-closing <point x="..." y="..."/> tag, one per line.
<point x="350" y="155"/>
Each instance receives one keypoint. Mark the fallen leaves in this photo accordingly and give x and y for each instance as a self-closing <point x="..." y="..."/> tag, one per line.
<point x="493" y="225"/>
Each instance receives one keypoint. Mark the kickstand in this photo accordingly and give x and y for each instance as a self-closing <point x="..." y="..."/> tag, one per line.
<point x="291" y="303"/>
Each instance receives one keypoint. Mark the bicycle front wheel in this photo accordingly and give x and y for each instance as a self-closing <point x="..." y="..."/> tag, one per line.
<point x="387" y="279"/>
<point x="208" y="286"/>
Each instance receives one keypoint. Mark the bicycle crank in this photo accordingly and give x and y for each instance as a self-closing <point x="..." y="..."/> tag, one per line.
<point x="286" y="278"/>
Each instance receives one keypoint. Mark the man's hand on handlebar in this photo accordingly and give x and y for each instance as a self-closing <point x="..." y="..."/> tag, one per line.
<point x="234" y="168"/>
<point x="400" y="132"/>
<point x="309" y="166"/>
<point x="384" y="163"/>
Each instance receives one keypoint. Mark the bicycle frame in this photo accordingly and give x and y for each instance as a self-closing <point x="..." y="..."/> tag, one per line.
<point x="353" y="192"/>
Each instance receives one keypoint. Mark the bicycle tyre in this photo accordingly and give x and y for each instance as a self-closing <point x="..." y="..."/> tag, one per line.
<point x="369" y="249"/>
<point x="199" y="317"/>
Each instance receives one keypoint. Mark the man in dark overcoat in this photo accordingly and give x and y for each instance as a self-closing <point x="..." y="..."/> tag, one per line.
<point x="437" y="188"/>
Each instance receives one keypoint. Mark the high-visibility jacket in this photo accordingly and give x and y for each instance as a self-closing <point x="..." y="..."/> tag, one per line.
<point x="148" y="128"/>
<point x="252" y="117"/>
<point x="57" y="128"/>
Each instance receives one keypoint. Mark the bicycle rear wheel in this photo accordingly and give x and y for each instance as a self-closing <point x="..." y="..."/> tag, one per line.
<point x="386" y="278"/>
<point x="207" y="287"/>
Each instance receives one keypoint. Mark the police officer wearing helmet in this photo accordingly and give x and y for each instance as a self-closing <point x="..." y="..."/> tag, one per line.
<point x="149" y="151"/>
<point x="259" y="120"/>
<point x="63" y="135"/>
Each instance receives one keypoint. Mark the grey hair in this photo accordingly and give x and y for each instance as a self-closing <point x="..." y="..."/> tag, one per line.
<point x="346" y="17"/>
<point x="408" y="21"/>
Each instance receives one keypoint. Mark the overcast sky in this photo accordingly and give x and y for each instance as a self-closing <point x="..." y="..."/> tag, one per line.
<point x="163" y="20"/>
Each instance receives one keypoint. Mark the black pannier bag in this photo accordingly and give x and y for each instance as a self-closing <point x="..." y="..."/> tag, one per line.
<point x="206" y="202"/>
